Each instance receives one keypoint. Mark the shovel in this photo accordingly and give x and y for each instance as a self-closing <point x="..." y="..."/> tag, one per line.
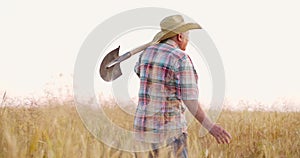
<point x="110" y="66"/>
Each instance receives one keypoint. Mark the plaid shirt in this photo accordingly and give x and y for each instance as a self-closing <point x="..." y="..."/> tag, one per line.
<point x="167" y="77"/>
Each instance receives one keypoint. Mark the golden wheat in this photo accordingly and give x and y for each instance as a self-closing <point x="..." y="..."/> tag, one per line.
<point x="57" y="131"/>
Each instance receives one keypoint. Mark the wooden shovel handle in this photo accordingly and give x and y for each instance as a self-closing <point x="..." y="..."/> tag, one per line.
<point x="141" y="48"/>
<point x="129" y="54"/>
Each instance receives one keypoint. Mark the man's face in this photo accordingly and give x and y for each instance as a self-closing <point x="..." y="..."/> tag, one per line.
<point x="184" y="40"/>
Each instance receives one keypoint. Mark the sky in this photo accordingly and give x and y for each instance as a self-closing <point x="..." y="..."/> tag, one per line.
<point x="257" y="40"/>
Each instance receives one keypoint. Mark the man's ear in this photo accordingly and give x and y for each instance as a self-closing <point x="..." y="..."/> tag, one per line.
<point x="180" y="37"/>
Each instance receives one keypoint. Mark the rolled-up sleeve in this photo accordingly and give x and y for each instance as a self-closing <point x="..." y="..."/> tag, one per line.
<point x="186" y="80"/>
<point x="136" y="69"/>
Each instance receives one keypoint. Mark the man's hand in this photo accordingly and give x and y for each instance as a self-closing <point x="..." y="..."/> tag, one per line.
<point x="221" y="135"/>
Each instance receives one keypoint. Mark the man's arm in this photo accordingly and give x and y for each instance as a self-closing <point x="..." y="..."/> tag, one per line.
<point x="221" y="135"/>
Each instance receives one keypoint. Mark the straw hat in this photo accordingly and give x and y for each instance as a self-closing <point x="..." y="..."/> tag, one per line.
<point x="173" y="25"/>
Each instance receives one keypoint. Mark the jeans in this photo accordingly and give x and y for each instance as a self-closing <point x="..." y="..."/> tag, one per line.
<point x="177" y="147"/>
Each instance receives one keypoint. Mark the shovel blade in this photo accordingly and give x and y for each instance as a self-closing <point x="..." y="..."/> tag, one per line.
<point x="109" y="74"/>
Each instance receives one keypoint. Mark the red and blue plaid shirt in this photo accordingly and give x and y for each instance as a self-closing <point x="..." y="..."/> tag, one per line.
<point x="167" y="77"/>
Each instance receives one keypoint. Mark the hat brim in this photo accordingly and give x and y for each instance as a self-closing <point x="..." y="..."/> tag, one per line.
<point x="165" y="34"/>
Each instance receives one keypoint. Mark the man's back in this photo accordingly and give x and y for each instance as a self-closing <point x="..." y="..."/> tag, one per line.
<point x="166" y="77"/>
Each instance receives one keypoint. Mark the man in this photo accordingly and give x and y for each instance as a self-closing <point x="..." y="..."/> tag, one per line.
<point x="168" y="84"/>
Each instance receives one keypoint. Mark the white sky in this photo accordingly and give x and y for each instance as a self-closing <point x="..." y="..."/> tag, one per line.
<point x="258" y="41"/>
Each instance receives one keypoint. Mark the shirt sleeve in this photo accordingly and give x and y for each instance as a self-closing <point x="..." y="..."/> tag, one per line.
<point x="186" y="80"/>
<point x="136" y="69"/>
<point x="137" y="66"/>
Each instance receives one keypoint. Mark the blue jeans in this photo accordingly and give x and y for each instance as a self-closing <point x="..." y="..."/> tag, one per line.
<point x="178" y="148"/>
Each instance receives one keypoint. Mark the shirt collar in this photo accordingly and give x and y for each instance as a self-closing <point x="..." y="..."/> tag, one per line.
<point x="171" y="43"/>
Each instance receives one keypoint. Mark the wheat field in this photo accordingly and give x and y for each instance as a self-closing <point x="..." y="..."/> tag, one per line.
<point x="57" y="131"/>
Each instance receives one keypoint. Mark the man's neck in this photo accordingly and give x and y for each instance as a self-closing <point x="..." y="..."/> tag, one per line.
<point x="171" y="42"/>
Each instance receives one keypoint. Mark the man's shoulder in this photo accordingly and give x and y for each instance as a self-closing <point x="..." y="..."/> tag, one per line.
<point x="170" y="50"/>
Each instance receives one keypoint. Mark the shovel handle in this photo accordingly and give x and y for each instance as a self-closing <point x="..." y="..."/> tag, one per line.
<point x="142" y="47"/>
<point x="129" y="54"/>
